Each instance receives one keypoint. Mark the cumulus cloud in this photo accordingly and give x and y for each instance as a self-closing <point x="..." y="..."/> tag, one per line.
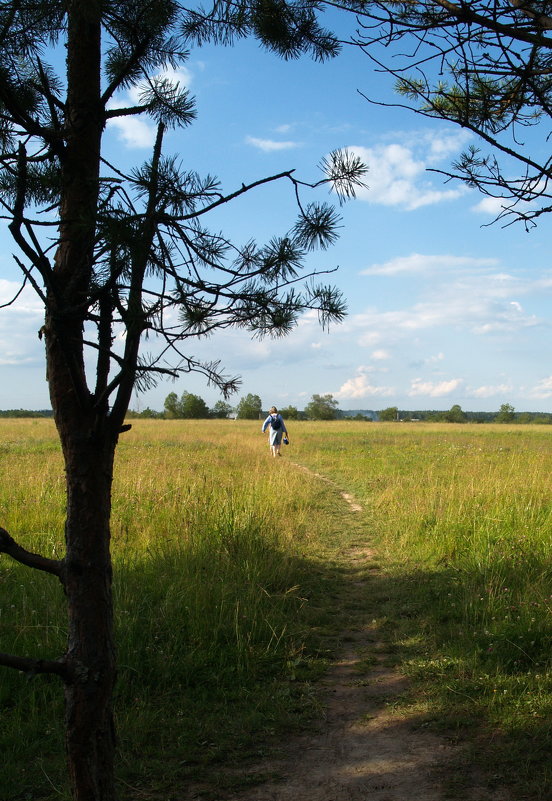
<point x="397" y="171"/>
<point x="361" y="386"/>
<point x="495" y="206"/>
<point x="270" y="145"/>
<point x="434" y="390"/>
<point x="543" y="389"/>
<point x="489" y="391"/>
<point x="19" y="325"/>
<point x="425" y="263"/>
<point x="380" y="355"/>
<point x="490" y="205"/>
<point x="134" y="132"/>
<point x="137" y="131"/>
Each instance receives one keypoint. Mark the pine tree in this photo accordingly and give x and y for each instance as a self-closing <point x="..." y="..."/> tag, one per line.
<point x="482" y="65"/>
<point x="89" y="237"/>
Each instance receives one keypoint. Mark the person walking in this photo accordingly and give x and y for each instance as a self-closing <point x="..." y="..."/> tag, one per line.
<point x="277" y="429"/>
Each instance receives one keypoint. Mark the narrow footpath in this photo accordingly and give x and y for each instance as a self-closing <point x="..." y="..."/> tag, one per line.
<point x="368" y="746"/>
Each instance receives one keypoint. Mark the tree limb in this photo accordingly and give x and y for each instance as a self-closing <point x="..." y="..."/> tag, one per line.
<point x="9" y="546"/>
<point x="32" y="666"/>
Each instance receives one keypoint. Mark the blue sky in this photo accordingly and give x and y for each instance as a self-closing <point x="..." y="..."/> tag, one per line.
<point x="442" y="308"/>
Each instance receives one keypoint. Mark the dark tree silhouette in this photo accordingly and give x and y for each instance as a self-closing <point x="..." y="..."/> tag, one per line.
<point x="108" y="251"/>
<point x="484" y="65"/>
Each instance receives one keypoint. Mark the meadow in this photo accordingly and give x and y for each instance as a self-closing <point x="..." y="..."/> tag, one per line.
<point x="231" y="592"/>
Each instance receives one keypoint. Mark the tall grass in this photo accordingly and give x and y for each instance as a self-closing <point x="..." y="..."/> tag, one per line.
<point x="213" y="548"/>
<point x="463" y="519"/>
<point x="228" y="584"/>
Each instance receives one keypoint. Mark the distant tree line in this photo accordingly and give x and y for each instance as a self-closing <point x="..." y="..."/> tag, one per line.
<point x="321" y="407"/>
<point x="26" y="413"/>
<point x="506" y="414"/>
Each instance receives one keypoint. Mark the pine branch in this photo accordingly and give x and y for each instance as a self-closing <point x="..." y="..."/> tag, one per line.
<point x="9" y="546"/>
<point x="33" y="666"/>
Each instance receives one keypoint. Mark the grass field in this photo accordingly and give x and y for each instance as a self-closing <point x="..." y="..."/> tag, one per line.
<point x="231" y="590"/>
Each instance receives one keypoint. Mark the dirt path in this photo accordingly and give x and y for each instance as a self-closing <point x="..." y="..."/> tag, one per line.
<point x="368" y="747"/>
<point x="365" y="747"/>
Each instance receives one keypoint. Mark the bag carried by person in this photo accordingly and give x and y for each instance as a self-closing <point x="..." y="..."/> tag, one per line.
<point x="276" y="423"/>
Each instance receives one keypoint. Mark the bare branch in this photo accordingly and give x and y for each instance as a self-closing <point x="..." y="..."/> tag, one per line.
<point x="33" y="666"/>
<point x="9" y="546"/>
<point x="19" y="291"/>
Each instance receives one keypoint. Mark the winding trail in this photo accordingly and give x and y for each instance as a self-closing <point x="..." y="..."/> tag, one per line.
<point x="368" y="746"/>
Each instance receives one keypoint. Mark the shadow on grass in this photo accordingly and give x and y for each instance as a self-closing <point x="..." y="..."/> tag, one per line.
<point x="220" y="656"/>
<point x="480" y="680"/>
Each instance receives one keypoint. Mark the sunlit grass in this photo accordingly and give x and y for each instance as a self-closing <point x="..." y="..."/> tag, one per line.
<point x="216" y="548"/>
<point x="228" y="581"/>
<point x="463" y="520"/>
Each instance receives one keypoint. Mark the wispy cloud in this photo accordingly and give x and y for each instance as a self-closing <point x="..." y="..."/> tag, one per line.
<point x="362" y="386"/>
<point x="543" y="389"/>
<point x="19" y="325"/>
<point x="270" y="145"/>
<point x="397" y="171"/>
<point x="417" y="263"/>
<point x="490" y="391"/>
<point x="380" y="355"/>
<point x="282" y="129"/>
<point x="434" y="389"/>
<point x="475" y="300"/>
<point x="138" y="132"/>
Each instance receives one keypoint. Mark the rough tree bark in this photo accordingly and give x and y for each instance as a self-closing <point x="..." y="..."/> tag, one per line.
<point x="114" y="230"/>
<point x="87" y="439"/>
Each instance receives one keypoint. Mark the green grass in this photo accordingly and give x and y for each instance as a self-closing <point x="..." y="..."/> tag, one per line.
<point x="462" y="516"/>
<point x="232" y="588"/>
<point x="221" y="581"/>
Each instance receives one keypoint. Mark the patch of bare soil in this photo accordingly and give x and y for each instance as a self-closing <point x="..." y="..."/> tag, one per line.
<point x="365" y="748"/>
<point x="368" y="746"/>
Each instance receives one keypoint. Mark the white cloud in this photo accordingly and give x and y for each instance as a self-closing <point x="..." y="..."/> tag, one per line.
<point x="134" y="132"/>
<point x="434" y="390"/>
<point x="27" y="303"/>
<point x="476" y="301"/>
<point x="543" y="388"/>
<point x="425" y="263"/>
<point x="270" y="145"/>
<point x="397" y="172"/>
<point x="361" y="387"/>
<point x="508" y="317"/>
<point x="489" y="391"/>
<point x="490" y="205"/>
<point x="139" y="131"/>
<point x="497" y="205"/>
<point x="19" y="325"/>
<point x="380" y="355"/>
<point x="369" y="339"/>
<point x="445" y="145"/>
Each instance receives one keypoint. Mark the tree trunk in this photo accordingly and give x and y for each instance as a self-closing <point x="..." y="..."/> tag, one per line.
<point x="90" y="736"/>
<point x="82" y="421"/>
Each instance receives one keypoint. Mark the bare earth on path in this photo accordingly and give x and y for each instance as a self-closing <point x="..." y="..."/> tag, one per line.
<point x="368" y="747"/>
<point x="365" y="748"/>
